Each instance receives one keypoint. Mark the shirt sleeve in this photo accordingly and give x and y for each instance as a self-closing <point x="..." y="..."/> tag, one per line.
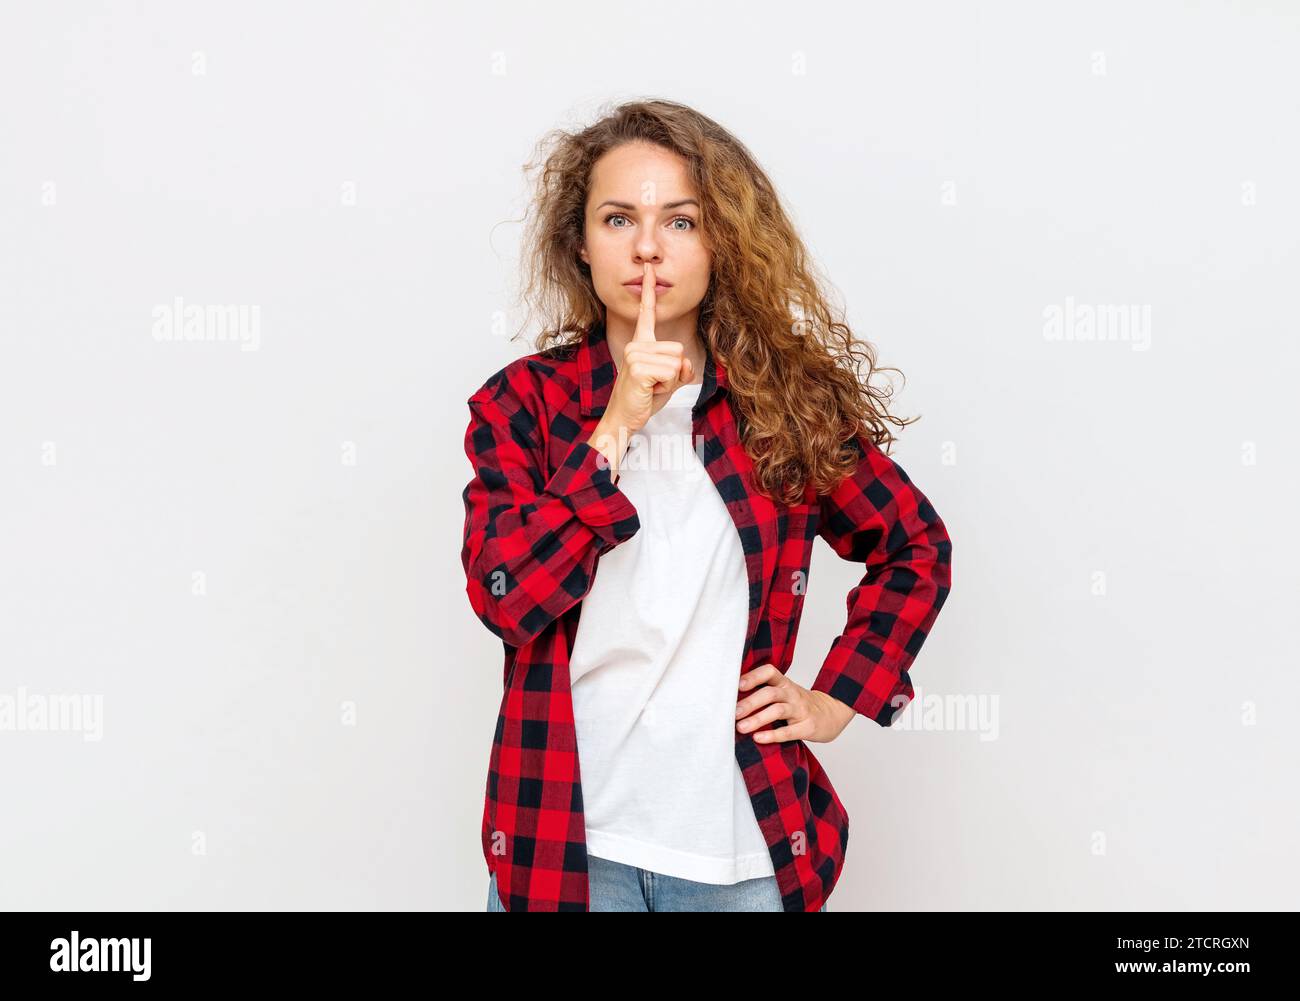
<point x="531" y="542"/>
<point x="877" y="517"/>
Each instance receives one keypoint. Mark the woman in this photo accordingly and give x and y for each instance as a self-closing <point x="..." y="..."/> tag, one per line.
<point x="694" y="417"/>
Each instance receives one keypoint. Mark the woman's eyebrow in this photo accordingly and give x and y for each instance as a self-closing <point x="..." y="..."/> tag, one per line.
<point x="632" y="208"/>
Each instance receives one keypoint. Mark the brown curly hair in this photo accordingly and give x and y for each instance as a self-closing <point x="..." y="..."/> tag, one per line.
<point x="794" y="369"/>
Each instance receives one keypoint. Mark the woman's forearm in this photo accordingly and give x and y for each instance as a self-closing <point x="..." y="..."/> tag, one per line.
<point x="610" y="439"/>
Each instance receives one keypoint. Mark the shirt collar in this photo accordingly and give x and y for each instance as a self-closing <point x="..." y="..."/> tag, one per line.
<point x="596" y="372"/>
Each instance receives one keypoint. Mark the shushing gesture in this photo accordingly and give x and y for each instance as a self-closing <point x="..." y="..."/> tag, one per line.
<point x="652" y="370"/>
<point x="650" y="373"/>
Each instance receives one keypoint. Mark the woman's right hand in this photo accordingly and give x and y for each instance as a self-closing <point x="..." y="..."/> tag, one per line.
<point x="651" y="371"/>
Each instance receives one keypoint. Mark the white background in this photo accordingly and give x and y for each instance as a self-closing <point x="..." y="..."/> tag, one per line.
<point x="1123" y="520"/>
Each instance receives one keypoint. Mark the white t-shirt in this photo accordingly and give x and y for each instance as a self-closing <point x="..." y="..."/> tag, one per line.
<point x="655" y="669"/>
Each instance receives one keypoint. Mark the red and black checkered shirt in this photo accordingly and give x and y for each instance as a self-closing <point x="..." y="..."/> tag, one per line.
<point x="542" y="508"/>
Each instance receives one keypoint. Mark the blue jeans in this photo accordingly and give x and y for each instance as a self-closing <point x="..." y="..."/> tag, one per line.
<point x="614" y="886"/>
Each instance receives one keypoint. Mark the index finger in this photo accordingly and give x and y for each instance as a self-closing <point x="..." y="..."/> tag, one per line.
<point x="645" y="321"/>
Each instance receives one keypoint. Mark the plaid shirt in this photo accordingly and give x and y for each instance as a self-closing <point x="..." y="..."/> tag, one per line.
<point x="539" y="513"/>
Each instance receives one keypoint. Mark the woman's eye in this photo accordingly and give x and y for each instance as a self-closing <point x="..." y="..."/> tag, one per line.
<point x="690" y="223"/>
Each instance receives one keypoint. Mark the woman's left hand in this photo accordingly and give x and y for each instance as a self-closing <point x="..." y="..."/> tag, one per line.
<point x="809" y="715"/>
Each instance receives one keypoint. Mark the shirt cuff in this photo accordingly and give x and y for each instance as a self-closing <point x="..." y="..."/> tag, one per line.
<point x="585" y="482"/>
<point x="856" y="680"/>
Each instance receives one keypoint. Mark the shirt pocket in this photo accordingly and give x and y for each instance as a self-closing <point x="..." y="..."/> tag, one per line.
<point x="784" y="609"/>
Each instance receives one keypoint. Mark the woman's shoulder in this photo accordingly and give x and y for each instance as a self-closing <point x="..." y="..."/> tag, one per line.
<point x="557" y="362"/>
<point x="534" y="388"/>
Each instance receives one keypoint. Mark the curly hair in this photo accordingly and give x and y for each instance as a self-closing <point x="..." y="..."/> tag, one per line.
<point x="795" y="371"/>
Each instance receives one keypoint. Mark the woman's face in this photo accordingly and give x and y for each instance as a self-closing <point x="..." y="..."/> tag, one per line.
<point x="641" y="207"/>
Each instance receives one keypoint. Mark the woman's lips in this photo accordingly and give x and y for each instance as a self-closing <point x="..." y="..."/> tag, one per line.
<point x="636" y="287"/>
